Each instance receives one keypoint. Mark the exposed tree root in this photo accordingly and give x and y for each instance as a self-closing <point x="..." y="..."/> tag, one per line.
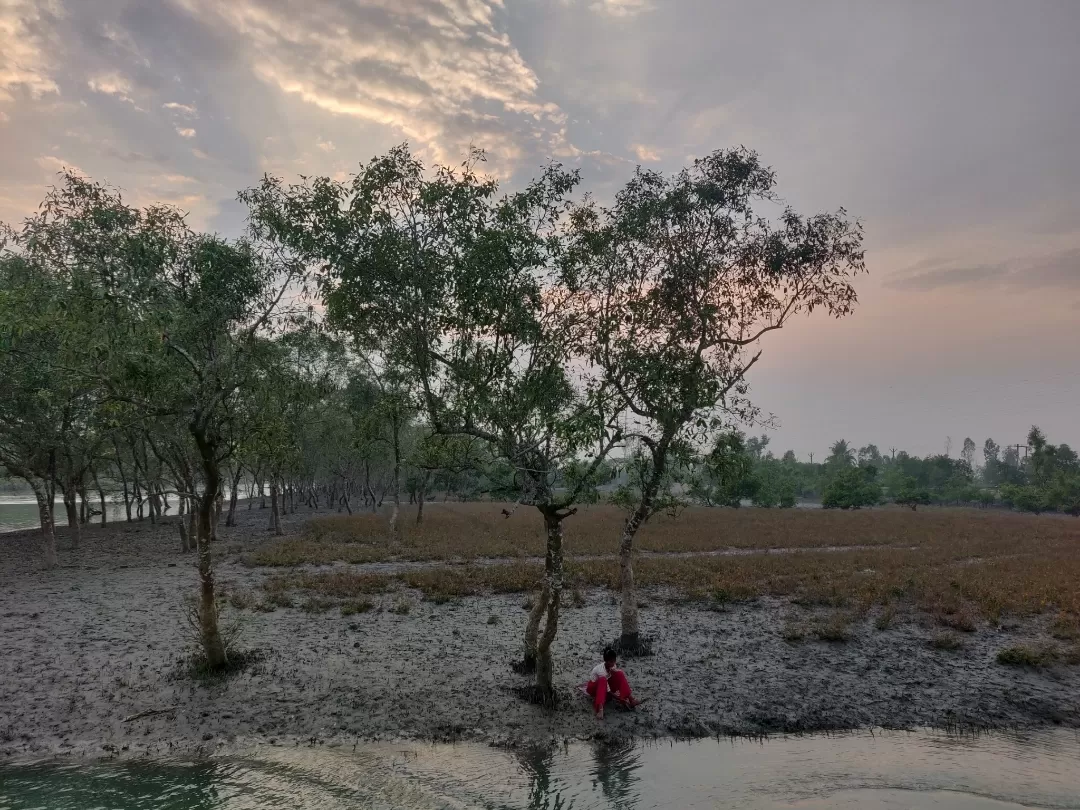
<point x="634" y="646"/>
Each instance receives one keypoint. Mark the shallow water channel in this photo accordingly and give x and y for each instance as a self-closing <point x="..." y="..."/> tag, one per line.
<point x="891" y="770"/>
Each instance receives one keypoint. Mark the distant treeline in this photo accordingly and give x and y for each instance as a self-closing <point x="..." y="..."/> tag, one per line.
<point x="1044" y="478"/>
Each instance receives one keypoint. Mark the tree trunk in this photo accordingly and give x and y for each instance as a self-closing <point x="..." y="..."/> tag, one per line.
<point x="127" y="502"/>
<point x="48" y="535"/>
<point x="545" y="668"/>
<point x="72" y="508"/>
<point x="210" y="636"/>
<point x="397" y="482"/>
<point x="191" y="503"/>
<point x="275" y="516"/>
<point x="630" y="642"/>
<point x="123" y="481"/>
<point x="630" y="637"/>
<point x="84" y="505"/>
<point x="532" y="628"/>
<point x="193" y="522"/>
<point x="230" y="519"/>
<point x="368" y="491"/>
<point x="138" y="500"/>
<point x="219" y="502"/>
<point x="420" y="495"/>
<point x="153" y="502"/>
<point x="184" y="548"/>
<point x="101" y="498"/>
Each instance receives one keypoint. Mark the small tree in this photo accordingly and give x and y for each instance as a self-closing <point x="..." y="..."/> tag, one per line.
<point x="912" y="495"/>
<point x="1023" y="498"/>
<point x="774" y="485"/>
<point x="725" y="476"/>
<point x="852" y="488"/>
<point x="460" y="290"/>
<point x="186" y="320"/>
<point x="683" y="277"/>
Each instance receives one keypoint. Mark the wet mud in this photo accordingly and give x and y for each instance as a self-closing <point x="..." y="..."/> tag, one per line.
<point x="85" y="648"/>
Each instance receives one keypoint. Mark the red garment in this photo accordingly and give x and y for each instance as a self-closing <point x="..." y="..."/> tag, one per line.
<point x="615" y="682"/>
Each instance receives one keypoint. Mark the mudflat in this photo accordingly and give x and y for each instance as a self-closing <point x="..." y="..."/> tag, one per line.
<point x="88" y="648"/>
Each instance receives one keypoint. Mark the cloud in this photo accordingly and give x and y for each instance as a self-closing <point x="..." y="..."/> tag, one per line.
<point x="440" y="72"/>
<point x="622" y="8"/>
<point x="111" y="84"/>
<point x="174" y="180"/>
<point x="200" y="154"/>
<point x="188" y="111"/>
<point x="1057" y="270"/>
<point x="4" y="118"/>
<point x="644" y="153"/>
<point x="326" y="146"/>
<point x="55" y="165"/>
<point x="24" y="27"/>
<point x="185" y="132"/>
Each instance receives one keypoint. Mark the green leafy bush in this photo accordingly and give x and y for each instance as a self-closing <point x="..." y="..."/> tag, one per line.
<point x="1023" y="498"/>
<point x="852" y="488"/>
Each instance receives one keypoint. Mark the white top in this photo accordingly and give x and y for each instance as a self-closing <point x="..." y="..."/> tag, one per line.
<point x="599" y="671"/>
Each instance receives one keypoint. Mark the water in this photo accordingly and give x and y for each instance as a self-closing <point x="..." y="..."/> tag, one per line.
<point x="22" y="513"/>
<point x="893" y="771"/>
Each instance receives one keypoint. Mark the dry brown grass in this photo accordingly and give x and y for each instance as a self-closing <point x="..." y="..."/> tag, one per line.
<point x="956" y="565"/>
<point x="946" y="641"/>
<point x="354" y="606"/>
<point x="331" y="584"/>
<point x="1029" y="655"/>
<point x="479" y="530"/>
<point x="1065" y="627"/>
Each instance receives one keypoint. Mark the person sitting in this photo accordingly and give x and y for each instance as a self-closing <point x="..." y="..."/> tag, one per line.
<point x="607" y="681"/>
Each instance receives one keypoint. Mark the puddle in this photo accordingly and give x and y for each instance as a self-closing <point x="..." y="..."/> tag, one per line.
<point x="894" y="770"/>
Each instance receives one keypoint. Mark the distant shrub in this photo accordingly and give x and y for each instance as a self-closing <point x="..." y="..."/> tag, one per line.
<point x="913" y="498"/>
<point x="792" y="632"/>
<point x="946" y="641"/>
<point x="356" y="606"/>
<point x="772" y="488"/>
<point x="1065" y="628"/>
<point x="852" y="488"/>
<point x="242" y="599"/>
<point x="885" y="619"/>
<point x="960" y="619"/>
<point x="837" y="628"/>
<point x="1028" y="655"/>
<point x="1023" y="498"/>
<point x="788" y="495"/>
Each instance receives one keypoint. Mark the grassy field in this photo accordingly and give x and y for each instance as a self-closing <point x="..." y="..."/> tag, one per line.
<point x="960" y="566"/>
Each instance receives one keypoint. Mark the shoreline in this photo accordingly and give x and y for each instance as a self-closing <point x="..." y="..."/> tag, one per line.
<point x="100" y="640"/>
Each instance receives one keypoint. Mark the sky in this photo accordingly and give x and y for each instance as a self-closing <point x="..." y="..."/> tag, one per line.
<point x="950" y="128"/>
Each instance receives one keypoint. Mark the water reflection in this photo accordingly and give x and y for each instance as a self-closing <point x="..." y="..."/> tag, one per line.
<point x="857" y="772"/>
<point x="536" y="763"/>
<point x="616" y="770"/>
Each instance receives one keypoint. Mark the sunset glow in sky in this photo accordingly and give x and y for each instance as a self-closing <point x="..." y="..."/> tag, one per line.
<point x="951" y="129"/>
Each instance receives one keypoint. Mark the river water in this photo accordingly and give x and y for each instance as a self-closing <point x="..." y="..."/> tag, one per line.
<point x="22" y="513"/>
<point x="892" y="770"/>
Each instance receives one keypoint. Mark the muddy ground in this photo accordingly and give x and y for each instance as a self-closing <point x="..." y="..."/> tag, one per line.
<point x="101" y="639"/>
